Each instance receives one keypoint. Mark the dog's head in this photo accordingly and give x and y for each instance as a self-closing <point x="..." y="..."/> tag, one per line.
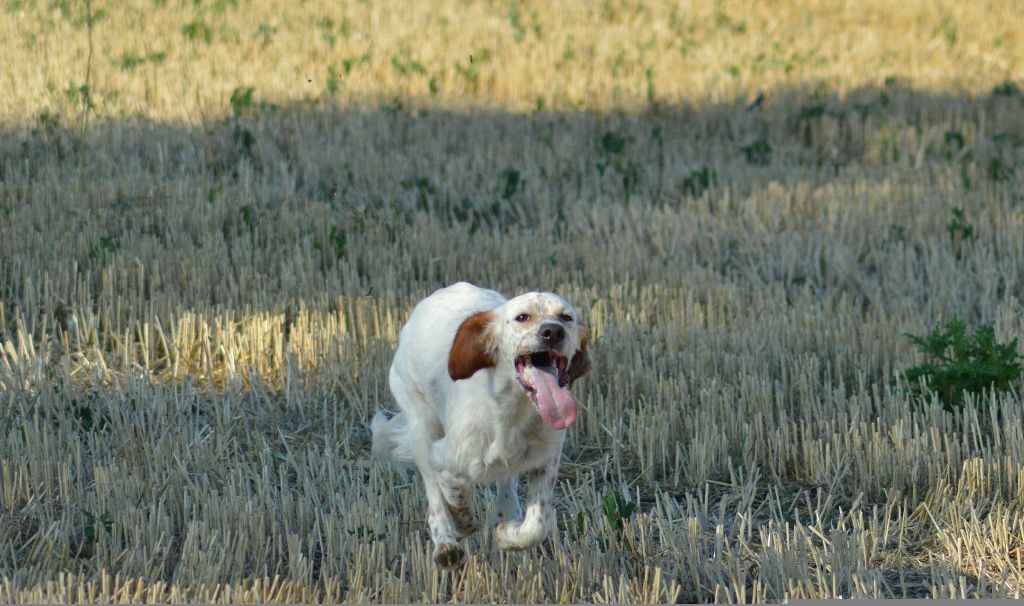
<point x="536" y="336"/>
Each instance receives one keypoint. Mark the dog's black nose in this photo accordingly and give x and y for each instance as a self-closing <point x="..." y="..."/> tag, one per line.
<point x="553" y="334"/>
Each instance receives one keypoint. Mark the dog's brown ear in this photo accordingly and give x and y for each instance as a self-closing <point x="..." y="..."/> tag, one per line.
<point x="580" y="363"/>
<point x="471" y="349"/>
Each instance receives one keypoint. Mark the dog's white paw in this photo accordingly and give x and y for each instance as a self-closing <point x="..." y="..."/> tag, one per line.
<point x="504" y="536"/>
<point x="510" y="536"/>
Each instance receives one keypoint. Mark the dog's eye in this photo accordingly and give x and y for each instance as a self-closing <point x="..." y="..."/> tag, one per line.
<point x="522" y="317"/>
<point x="565" y="317"/>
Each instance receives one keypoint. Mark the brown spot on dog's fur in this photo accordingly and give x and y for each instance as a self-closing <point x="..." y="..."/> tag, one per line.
<point x="471" y="349"/>
<point x="580" y="363"/>
<point x="535" y="474"/>
<point x="448" y="555"/>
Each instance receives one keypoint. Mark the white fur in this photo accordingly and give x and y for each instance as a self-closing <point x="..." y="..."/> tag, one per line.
<point x="484" y="428"/>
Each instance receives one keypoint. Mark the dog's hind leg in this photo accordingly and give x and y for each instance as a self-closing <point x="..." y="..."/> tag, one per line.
<point x="390" y="441"/>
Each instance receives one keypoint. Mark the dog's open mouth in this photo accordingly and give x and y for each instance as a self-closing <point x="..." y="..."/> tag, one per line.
<point x="543" y="375"/>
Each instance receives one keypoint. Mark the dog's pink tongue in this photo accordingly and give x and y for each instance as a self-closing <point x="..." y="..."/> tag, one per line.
<point x="554" y="403"/>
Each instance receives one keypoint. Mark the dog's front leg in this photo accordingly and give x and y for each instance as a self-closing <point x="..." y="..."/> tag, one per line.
<point x="539" y="518"/>
<point x="458" y="494"/>
<point x="506" y="502"/>
<point x="447" y="552"/>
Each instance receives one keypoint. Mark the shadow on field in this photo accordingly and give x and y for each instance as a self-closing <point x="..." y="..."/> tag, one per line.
<point x="486" y="166"/>
<point x="134" y="188"/>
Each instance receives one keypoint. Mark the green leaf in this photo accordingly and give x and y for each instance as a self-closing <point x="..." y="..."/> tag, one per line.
<point x="958" y="363"/>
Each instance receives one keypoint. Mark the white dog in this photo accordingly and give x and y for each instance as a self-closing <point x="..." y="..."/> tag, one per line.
<point x="483" y="386"/>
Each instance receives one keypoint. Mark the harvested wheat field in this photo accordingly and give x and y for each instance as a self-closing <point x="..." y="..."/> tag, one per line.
<point x="216" y="215"/>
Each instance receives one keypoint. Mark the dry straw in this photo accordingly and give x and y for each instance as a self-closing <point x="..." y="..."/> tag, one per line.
<point x="206" y="255"/>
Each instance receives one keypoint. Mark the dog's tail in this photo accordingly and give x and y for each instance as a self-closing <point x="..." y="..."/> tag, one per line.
<point x="391" y="438"/>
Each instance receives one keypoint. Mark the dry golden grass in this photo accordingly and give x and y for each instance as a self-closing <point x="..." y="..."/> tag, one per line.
<point x="749" y="201"/>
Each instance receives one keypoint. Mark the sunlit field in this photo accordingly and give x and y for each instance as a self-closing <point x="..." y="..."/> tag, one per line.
<point x="216" y="216"/>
